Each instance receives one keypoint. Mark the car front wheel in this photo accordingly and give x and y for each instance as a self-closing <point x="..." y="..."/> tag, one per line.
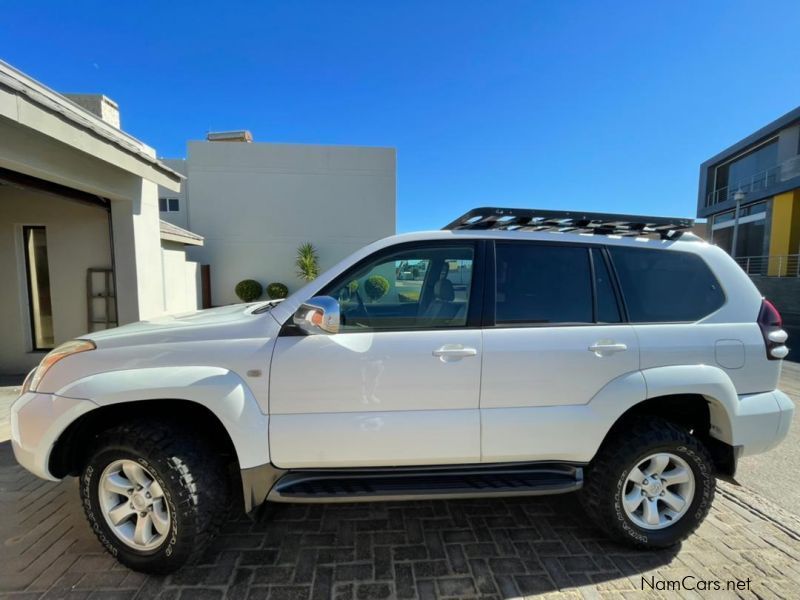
<point x="650" y="485"/>
<point x="153" y="496"/>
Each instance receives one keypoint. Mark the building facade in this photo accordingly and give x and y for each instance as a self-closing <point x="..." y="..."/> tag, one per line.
<point x="81" y="244"/>
<point x="255" y="203"/>
<point x="750" y="194"/>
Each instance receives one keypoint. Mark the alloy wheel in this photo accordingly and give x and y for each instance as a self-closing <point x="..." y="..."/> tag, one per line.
<point x="133" y="505"/>
<point x="658" y="491"/>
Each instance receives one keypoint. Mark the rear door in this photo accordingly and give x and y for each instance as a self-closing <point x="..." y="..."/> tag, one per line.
<point x="556" y="337"/>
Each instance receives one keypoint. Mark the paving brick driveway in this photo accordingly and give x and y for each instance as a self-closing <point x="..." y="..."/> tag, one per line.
<point x="452" y="549"/>
<point x="488" y="548"/>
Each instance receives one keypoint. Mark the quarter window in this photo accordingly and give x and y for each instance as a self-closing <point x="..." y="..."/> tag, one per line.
<point x="662" y="286"/>
<point x="543" y="284"/>
<point x="410" y="289"/>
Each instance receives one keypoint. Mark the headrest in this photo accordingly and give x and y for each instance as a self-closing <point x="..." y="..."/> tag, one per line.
<point x="443" y="290"/>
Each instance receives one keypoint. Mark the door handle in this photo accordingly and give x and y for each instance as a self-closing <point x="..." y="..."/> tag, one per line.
<point x="602" y="348"/>
<point x="454" y="352"/>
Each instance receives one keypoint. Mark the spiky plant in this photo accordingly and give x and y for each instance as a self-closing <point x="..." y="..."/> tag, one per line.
<point x="307" y="262"/>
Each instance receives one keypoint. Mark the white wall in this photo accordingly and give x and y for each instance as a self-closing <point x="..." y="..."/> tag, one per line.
<point x="181" y="217"/>
<point x="181" y="279"/>
<point x="256" y="203"/>
<point x="137" y="255"/>
<point x="77" y="238"/>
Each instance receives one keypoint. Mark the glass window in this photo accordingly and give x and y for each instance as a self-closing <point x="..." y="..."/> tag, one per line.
<point x="543" y="284"/>
<point x="410" y="289"/>
<point x="662" y="286"/>
<point x="38" y="275"/>
<point x="607" y="308"/>
<point x="169" y="205"/>
<point x="723" y="238"/>
<point x="751" y="171"/>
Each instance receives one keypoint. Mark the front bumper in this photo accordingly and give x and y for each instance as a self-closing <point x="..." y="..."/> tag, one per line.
<point x="37" y="421"/>
<point x="761" y="422"/>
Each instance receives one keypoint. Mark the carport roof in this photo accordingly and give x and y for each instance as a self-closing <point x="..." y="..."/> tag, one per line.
<point x="173" y="233"/>
<point x="22" y="85"/>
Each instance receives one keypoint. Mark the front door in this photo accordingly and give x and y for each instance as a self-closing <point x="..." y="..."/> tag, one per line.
<point x="400" y="383"/>
<point x="557" y="338"/>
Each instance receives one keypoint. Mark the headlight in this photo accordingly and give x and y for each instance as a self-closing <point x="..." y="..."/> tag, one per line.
<point x="73" y="347"/>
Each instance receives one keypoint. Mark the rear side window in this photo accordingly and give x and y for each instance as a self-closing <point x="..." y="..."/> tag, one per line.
<point x="662" y="286"/>
<point x="543" y="284"/>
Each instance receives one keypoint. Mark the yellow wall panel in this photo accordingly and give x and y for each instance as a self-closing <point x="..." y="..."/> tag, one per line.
<point x="785" y="230"/>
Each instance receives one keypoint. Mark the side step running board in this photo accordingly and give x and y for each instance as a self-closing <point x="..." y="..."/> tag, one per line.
<point x="368" y="485"/>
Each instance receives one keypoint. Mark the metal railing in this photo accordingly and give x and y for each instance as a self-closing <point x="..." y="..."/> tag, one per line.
<point x="771" y="266"/>
<point x="762" y="180"/>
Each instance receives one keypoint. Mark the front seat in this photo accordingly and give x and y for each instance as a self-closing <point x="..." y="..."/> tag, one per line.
<point x="442" y="309"/>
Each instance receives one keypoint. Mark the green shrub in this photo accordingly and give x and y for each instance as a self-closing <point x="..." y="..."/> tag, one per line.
<point x="277" y="290"/>
<point x="249" y="290"/>
<point x="352" y="287"/>
<point x="376" y="287"/>
<point x="307" y="262"/>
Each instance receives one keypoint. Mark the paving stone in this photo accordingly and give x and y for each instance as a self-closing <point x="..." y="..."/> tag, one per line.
<point x="503" y="548"/>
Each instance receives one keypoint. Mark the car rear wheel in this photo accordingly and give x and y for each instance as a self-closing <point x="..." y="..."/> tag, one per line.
<point x="650" y="485"/>
<point x="154" y="496"/>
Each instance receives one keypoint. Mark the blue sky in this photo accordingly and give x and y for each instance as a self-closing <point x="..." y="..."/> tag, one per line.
<point x="607" y="106"/>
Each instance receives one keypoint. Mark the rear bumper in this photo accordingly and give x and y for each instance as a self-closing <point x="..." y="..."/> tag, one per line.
<point x="761" y="422"/>
<point x="37" y="420"/>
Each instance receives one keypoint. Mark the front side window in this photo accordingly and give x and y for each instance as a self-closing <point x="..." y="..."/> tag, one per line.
<point x="543" y="284"/>
<point x="38" y="277"/>
<point x="661" y="286"/>
<point x="411" y="289"/>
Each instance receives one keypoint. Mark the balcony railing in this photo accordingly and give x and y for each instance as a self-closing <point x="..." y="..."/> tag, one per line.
<point x="788" y="169"/>
<point x="771" y="266"/>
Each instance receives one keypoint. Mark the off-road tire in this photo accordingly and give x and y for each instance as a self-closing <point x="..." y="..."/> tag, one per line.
<point x="193" y="479"/>
<point x="605" y="479"/>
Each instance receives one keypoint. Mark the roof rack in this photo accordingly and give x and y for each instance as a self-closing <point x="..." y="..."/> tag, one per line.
<point x="532" y="219"/>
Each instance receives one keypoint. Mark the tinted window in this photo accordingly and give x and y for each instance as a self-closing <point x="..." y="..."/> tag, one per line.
<point x="663" y="286"/>
<point x="607" y="308"/>
<point x="543" y="284"/>
<point x="423" y="287"/>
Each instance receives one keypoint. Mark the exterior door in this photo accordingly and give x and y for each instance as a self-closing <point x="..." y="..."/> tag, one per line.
<point x="399" y="384"/>
<point x="557" y="338"/>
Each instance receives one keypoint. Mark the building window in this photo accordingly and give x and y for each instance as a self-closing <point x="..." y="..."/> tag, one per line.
<point x="753" y="171"/>
<point x="38" y="276"/>
<point x="752" y="236"/>
<point x="169" y="205"/>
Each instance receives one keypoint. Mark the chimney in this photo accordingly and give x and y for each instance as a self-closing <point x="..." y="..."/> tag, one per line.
<point x="99" y="105"/>
<point x="230" y="136"/>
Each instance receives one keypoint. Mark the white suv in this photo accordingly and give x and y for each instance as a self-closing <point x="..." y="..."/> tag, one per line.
<point x="536" y="353"/>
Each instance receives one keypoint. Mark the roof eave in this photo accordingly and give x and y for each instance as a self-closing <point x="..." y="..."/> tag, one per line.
<point x="46" y="99"/>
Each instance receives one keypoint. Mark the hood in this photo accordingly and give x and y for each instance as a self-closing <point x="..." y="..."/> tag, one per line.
<point x="225" y="322"/>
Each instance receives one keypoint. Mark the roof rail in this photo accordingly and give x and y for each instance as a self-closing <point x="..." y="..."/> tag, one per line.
<point x="532" y="219"/>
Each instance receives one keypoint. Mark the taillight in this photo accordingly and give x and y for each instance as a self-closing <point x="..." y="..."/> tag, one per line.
<point x="771" y="324"/>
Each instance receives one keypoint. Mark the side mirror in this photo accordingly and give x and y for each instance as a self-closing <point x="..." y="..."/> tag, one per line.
<point x="320" y="314"/>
